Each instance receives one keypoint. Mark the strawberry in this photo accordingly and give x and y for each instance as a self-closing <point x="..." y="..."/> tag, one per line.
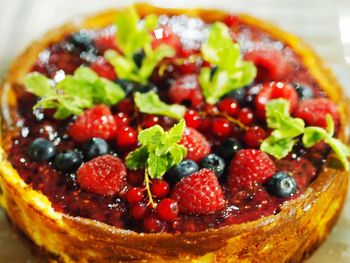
<point x="314" y="111"/>
<point x="103" y="68"/>
<point x="186" y="90"/>
<point x="275" y="90"/>
<point x="95" y="122"/>
<point x="250" y="167"/>
<point x="103" y="175"/>
<point x="196" y="144"/>
<point x="199" y="193"/>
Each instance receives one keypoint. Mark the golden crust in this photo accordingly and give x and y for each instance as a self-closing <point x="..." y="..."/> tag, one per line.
<point x="288" y="236"/>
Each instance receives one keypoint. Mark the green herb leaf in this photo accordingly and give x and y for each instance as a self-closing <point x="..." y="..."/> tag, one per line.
<point x="159" y="150"/>
<point x="150" y="103"/>
<point x="74" y="93"/>
<point x="232" y="71"/>
<point x="313" y="135"/>
<point x="279" y="148"/>
<point x="132" y="36"/>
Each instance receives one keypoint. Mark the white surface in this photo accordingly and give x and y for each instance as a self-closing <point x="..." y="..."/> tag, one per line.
<point x="316" y="21"/>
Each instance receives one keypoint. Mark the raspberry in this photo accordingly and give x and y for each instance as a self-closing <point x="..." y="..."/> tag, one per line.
<point x="271" y="64"/>
<point x="103" y="68"/>
<point x="250" y="167"/>
<point x="275" y="90"/>
<point x="196" y="144"/>
<point x="199" y="193"/>
<point x="314" y="111"/>
<point x="186" y="90"/>
<point x="104" y="175"/>
<point x="121" y="120"/>
<point x="95" y="122"/>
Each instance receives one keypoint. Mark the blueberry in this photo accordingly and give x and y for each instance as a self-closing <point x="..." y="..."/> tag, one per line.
<point x="237" y="94"/>
<point x="147" y="88"/>
<point x="41" y="150"/>
<point x="214" y="163"/>
<point x="68" y="161"/>
<point x="127" y="85"/>
<point x="213" y="71"/>
<point x="82" y="40"/>
<point x="138" y="57"/>
<point x="304" y="92"/>
<point x="281" y="185"/>
<point x="181" y="170"/>
<point x="229" y="148"/>
<point x="95" y="147"/>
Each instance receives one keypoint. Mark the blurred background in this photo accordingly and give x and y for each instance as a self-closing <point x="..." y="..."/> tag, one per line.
<point x="324" y="24"/>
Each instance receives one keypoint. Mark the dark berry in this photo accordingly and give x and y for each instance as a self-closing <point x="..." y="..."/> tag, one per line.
<point x="127" y="85"/>
<point x="134" y="195"/>
<point x="193" y="119"/>
<point x="181" y="170"/>
<point x="246" y="116"/>
<point x="168" y="210"/>
<point x="229" y="148"/>
<point x="221" y="127"/>
<point x="147" y="88"/>
<point x="68" y="161"/>
<point x="138" y="57"/>
<point x="253" y="136"/>
<point x="136" y="178"/>
<point x="238" y="95"/>
<point x="126" y="106"/>
<point x="41" y="150"/>
<point x="304" y="92"/>
<point x="214" y="163"/>
<point x="126" y="137"/>
<point x="82" y="40"/>
<point x="281" y="185"/>
<point x="95" y="147"/>
<point x="160" y="188"/>
<point x="149" y="121"/>
<point x="229" y="106"/>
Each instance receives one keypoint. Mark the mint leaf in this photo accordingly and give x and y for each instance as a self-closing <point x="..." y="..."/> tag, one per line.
<point x="132" y="36"/>
<point x="159" y="150"/>
<point x="279" y="148"/>
<point x="74" y="93"/>
<point x="232" y="71"/>
<point x="150" y="103"/>
<point x="313" y="135"/>
<point x="341" y="150"/>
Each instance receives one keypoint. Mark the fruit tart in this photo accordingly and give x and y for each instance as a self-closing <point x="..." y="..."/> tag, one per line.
<point x="166" y="135"/>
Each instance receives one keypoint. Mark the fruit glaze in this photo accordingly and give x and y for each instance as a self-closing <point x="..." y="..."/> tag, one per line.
<point x="166" y="146"/>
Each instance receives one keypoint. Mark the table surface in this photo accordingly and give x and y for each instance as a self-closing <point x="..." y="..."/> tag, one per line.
<point x="317" y="21"/>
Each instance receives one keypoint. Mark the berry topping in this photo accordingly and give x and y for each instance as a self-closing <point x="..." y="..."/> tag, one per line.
<point x="121" y="120"/>
<point x="214" y="163"/>
<point x="253" y="136"/>
<point x="103" y="68"/>
<point x="229" y="148"/>
<point x="238" y="95"/>
<point x="221" y="127"/>
<point x="164" y="35"/>
<point x="95" y="147"/>
<point x="153" y="225"/>
<point x="199" y="193"/>
<point x="134" y="195"/>
<point x="185" y="90"/>
<point x="275" y="90"/>
<point x="281" y="185"/>
<point x="82" y="40"/>
<point x="68" y="161"/>
<point x="246" y="116"/>
<point x="126" y="137"/>
<point x="229" y="106"/>
<point x="196" y="144"/>
<point x="139" y="211"/>
<point x="41" y="150"/>
<point x="127" y="85"/>
<point x="104" y="175"/>
<point x="193" y="119"/>
<point x="136" y="178"/>
<point x="149" y="121"/>
<point x="167" y="210"/>
<point x="181" y="170"/>
<point x="250" y="167"/>
<point x="314" y="111"/>
<point x="160" y="188"/>
<point x="304" y="92"/>
<point x="95" y="122"/>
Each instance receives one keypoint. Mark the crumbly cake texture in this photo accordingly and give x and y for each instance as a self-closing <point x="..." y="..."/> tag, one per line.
<point x="309" y="218"/>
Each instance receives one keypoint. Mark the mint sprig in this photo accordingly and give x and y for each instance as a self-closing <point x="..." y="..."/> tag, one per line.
<point x="133" y="35"/>
<point x="232" y="71"/>
<point x="150" y="103"/>
<point x="159" y="150"/>
<point x="74" y="93"/>
<point x="286" y="129"/>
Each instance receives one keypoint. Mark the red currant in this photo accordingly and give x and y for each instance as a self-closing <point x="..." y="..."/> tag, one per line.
<point x="139" y="211"/>
<point x="149" y="121"/>
<point x="134" y="195"/>
<point x="160" y="188"/>
<point x="228" y="105"/>
<point x="103" y="68"/>
<point x="246" y="116"/>
<point x="126" y="106"/>
<point x="135" y="178"/>
<point x="193" y="119"/>
<point x="168" y="209"/>
<point x="254" y="135"/>
<point x="121" y="120"/>
<point x="126" y="137"/>
<point x="232" y="21"/>
<point x="210" y="109"/>
<point x="153" y="225"/>
<point x="221" y="127"/>
<point x="205" y="126"/>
